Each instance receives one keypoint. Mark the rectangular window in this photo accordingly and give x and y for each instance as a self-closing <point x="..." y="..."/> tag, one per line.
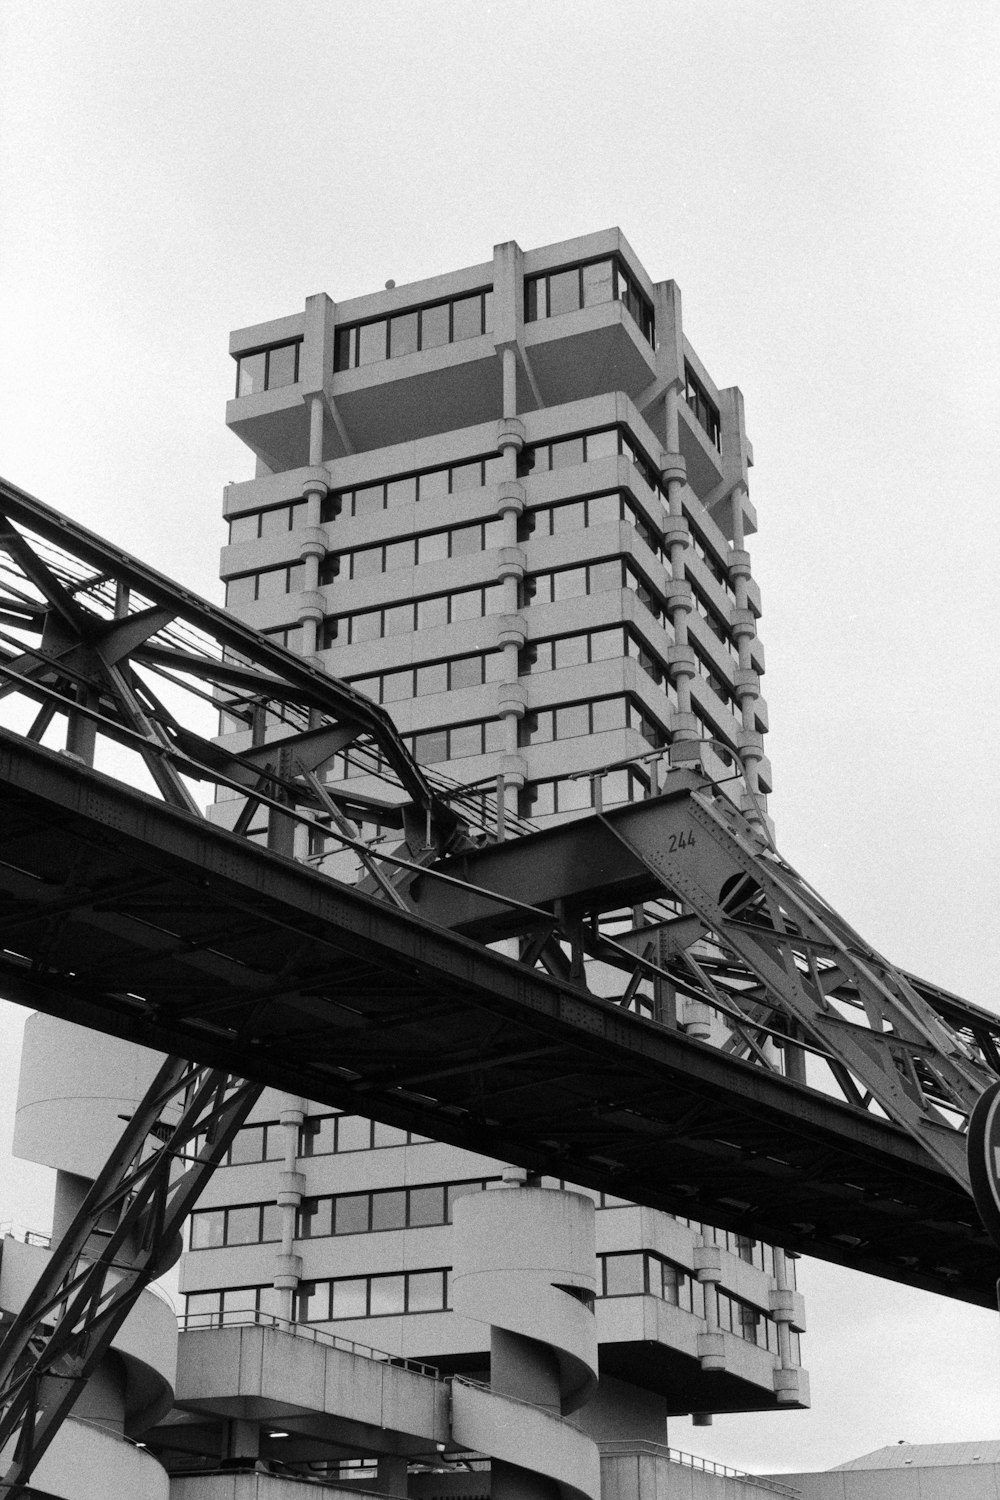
<point x="425" y="1291"/>
<point x="624" y="1275"/>
<point x="351" y="1213"/>
<point x="349" y="1299"/>
<point x="388" y="1296"/>
<point x="404" y="334"/>
<point x="389" y="1210"/>
<point x="435" y="326"/>
<point x="588" y="285"/>
<point x="701" y="403"/>
<point x="372" y="342"/>
<point x="267" y="369"/>
<point x="427" y="1205"/>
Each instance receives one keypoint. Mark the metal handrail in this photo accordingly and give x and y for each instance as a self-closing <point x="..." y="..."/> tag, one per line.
<point x="193" y="1322"/>
<point x="629" y="1447"/>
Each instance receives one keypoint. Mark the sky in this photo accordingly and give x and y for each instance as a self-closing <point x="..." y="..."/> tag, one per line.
<point x="822" y="183"/>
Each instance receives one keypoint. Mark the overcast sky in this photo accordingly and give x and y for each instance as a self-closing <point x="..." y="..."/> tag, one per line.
<point x="820" y="179"/>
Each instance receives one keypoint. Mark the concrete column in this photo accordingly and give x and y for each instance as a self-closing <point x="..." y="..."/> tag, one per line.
<point x="315" y="431"/>
<point x="708" y="1268"/>
<point x="511" y="568"/>
<point x="290" y="1193"/>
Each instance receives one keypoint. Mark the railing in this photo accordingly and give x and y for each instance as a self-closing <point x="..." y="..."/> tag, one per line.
<point x="629" y="1447"/>
<point x="10" y="1230"/>
<point x="192" y="1322"/>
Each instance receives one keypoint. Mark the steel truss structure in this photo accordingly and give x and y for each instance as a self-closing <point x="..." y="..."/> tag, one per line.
<point x="126" y="1233"/>
<point x="825" y="1110"/>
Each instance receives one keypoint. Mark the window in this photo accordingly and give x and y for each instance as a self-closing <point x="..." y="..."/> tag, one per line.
<point x="387" y="1295"/>
<point x="433" y="484"/>
<point x="276" y="521"/>
<point x="419" y="614"/>
<point x="272" y="583"/>
<point x="640" y="1272"/>
<point x="256" y="1143"/>
<point x="572" y="720"/>
<point x="567" y="290"/>
<point x="267" y="369"/>
<point x="539" y="799"/>
<point x="243" y="1224"/>
<point x="414" y="329"/>
<point x="326" y="1135"/>
<point x="384" y="1209"/>
<point x="230" y="1305"/>
<point x="702" y="405"/>
<point x="481" y="737"/>
<point x="432" y="677"/>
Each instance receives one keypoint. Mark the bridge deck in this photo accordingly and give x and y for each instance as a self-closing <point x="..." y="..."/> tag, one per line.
<point x="130" y="916"/>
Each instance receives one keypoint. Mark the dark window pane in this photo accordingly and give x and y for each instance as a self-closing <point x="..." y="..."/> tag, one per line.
<point x="466" y="739"/>
<point x="598" y="283"/>
<point x="401" y="491"/>
<point x="465" y="540"/>
<point x="572" y="721"/>
<point x="248" y="1145"/>
<point x="605" y="644"/>
<point x="494" y="664"/>
<point x="241" y="590"/>
<point x="398" y="620"/>
<point x="467" y="476"/>
<point x="564" y="292"/>
<point x="200" y="1308"/>
<point x="603" y="509"/>
<point x="296" y="578"/>
<point x="624" y="1275"/>
<point x="425" y="1291"/>
<point x="571" y="651"/>
<point x="387" y="1295"/>
<point x="367" y="562"/>
<point x="244" y="529"/>
<point x="467" y="671"/>
<point x="250" y="374"/>
<point x="493" y="735"/>
<point x="353" y="1133"/>
<point x="430" y="748"/>
<point x="350" y="1213"/>
<point x="432" y="679"/>
<point x="431" y="612"/>
<point x="605" y="575"/>
<point x="281" y="366"/>
<point x="315" y="1218"/>
<point x="544" y="801"/>
<point x="400" y="554"/>
<point x="371" y="342"/>
<point x="569" y="584"/>
<point x="243" y="1226"/>
<point x="569" y="517"/>
<point x="369" y="499"/>
<point x="467" y="605"/>
<point x="312" y="1302"/>
<point x="487" y="312"/>
<point x="434" y="485"/>
<point x="434" y="326"/>
<point x="275" y="522"/>
<point x="493" y="599"/>
<point x="534" y="294"/>
<point x="432" y="548"/>
<point x="467" y="318"/>
<point x="574" y="795"/>
<point x="317" y="1134"/>
<point x="426" y="1205"/>
<point x="387" y="1135"/>
<point x="602" y="445"/>
<point x="397" y="685"/>
<point x="367" y="626"/>
<point x="403" y="334"/>
<point x="240" y="1300"/>
<point x="609" y="713"/>
<point x="350" y="1298"/>
<point x="207" y="1229"/>
<point x="567" y="453"/>
<point x="342" y="348"/>
<point x="537" y="728"/>
<point x="389" y="1210"/>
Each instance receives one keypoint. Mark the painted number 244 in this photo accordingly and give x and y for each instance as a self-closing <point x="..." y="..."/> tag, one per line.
<point x="680" y="841"/>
